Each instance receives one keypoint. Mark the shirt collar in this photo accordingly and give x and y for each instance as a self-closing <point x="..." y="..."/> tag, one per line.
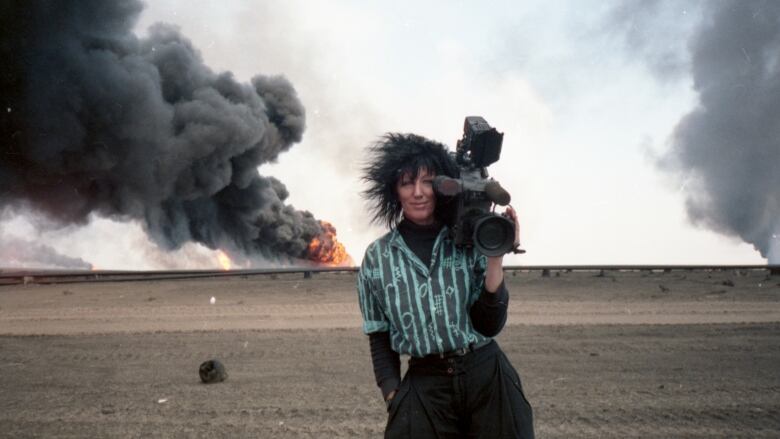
<point x="397" y="241"/>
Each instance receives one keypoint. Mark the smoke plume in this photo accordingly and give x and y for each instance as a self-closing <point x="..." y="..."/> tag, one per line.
<point x="653" y="31"/>
<point x="728" y="148"/>
<point x="98" y="120"/>
<point x="16" y="252"/>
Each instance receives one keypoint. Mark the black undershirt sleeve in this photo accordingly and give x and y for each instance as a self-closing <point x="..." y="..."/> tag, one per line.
<point x="387" y="362"/>
<point x="488" y="314"/>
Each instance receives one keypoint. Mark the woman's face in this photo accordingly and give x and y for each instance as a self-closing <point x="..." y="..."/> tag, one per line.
<point x="417" y="197"/>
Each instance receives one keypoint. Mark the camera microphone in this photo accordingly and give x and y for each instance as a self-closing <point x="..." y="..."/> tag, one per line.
<point x="497" y="194"/>
<point x="450" y="187"/>
<point x="447" y="186"/>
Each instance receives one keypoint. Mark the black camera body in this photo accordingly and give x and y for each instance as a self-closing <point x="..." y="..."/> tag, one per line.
<point x="476" y="225"/>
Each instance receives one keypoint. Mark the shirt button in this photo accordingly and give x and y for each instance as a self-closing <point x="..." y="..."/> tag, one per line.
<point x="450" y="370"/>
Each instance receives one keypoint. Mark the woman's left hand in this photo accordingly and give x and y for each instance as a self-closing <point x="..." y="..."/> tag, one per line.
<point x="496" y="263"/>
<point x="512" y="215"/>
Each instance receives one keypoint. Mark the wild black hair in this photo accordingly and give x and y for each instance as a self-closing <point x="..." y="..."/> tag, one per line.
<point x="394" y="155"/>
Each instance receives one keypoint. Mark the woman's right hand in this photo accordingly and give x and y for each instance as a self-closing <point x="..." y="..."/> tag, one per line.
<point x="389" y="399"/>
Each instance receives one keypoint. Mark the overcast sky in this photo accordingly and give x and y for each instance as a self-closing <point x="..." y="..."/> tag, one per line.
<point x="588" y="95"/>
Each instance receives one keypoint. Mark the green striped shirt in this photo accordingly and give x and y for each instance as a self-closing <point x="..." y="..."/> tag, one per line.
<point x="425" y="309"/>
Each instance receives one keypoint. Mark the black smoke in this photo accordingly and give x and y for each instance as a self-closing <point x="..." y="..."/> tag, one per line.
<point x="96" y="120"/>
<point x="728" y="147"/>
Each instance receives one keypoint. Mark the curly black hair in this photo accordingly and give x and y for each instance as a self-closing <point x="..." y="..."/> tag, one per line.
<point x="394" y="155"/>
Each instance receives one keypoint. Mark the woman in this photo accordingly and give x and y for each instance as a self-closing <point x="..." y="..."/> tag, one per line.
<point x="422" y="296"/>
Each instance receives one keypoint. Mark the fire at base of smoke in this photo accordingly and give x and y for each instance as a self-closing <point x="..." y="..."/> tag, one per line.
<point x="140" y="129"/>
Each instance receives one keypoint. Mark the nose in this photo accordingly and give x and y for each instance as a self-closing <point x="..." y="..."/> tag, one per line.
<point x="418" y="189"/>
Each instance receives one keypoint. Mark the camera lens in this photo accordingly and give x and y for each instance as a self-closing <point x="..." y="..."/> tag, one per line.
<point x="494" y="235"/>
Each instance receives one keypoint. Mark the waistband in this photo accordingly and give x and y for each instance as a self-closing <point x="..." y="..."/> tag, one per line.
<point x="453" y="362"/>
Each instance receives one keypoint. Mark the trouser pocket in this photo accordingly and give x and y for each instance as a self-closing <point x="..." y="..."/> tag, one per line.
<point x="510" y="374"/>
<point x="398" y="413"/>
<point x="521" y="409"/>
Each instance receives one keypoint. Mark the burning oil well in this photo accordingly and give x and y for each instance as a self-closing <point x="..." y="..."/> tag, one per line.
<point x="96" y="120"/>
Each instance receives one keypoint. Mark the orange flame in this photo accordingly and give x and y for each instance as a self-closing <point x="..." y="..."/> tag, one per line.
<point x="326" y="249"/>
<point x="224" y="260"/>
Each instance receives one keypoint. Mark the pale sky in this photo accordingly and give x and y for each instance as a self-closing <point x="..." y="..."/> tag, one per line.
<point x="586" y="105"/>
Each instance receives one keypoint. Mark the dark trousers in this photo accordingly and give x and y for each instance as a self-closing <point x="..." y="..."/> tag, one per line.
<point x="476" y="395"/>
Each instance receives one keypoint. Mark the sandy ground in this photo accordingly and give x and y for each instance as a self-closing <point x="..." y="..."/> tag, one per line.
<point x="627" y="354"/>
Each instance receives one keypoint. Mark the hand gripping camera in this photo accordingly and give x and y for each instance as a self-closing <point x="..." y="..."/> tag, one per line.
<point x="476" y="224"/>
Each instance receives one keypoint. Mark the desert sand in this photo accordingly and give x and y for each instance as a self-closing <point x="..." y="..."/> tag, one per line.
<point x="651" y="354"/>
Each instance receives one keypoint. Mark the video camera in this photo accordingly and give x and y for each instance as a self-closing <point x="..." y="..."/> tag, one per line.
<point x="476" y="224"/>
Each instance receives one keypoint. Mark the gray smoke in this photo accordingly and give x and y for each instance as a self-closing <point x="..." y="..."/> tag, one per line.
<point x="98" y="120"/>
<point x="17" y="252"/>
<point x="654" y="31"/>
<point x="728" y="147"/>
